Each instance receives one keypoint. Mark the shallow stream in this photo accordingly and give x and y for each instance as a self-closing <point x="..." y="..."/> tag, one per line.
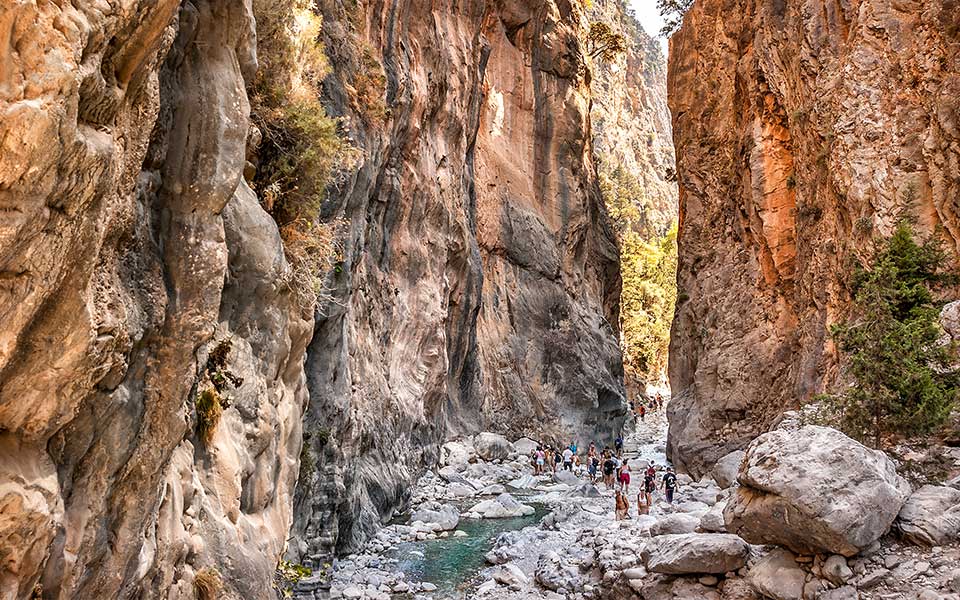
<point x="453" y="563"/>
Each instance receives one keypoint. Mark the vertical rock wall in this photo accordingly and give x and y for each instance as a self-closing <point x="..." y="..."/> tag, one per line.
<point x="802" y="130"/>
<point x="479" y="282"/>
<point x="129" y="245"/>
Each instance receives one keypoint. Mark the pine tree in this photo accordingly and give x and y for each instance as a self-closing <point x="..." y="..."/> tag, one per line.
<point x="904" y="380"/>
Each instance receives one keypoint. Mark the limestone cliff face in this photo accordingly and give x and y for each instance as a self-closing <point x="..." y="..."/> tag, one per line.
<point x="630" y="118"/>
<point x="129" y="247"/>
<point x="801" y="130"/>
<point x="479" y="282"/>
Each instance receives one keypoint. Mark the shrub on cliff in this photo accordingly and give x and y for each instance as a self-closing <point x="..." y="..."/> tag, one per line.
<point x="301" y="147"/>
<point x="904" y="381"/>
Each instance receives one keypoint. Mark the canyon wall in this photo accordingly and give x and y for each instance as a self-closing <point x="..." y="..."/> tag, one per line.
<point x="130" y="247"/>
<point x="479" y="284"/>
<point x="802" y="130"/>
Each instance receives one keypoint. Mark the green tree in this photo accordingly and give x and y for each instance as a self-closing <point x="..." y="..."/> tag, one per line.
<point x="672" y="12"/>
<point x="904" y="382"/>
<point x="603" y="43"/>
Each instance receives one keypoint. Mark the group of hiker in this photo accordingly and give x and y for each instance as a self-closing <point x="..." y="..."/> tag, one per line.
<point x="641" y="407"/>
<point x="609" y="466"/>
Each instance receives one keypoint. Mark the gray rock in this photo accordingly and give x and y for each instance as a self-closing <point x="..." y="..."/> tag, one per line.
<point x="836" y="570"/>
<point x="587" y="490"/>
<point x="931" y="516"/>
<point x="777" y="575"/>
<point x="712" y="520"/>
<point x="675" y="523"/>
<point x="492" y="446"/>
<point x="726" y="469"/>
<point x="695" y="553"/>
<point x="847" y="592"/>
<point x="815" y="490"/>
<point x="445" y="516"/>
<point x="525" y="446"/>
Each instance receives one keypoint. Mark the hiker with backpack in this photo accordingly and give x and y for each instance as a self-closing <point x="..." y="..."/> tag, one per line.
<point x="669" y="484"/>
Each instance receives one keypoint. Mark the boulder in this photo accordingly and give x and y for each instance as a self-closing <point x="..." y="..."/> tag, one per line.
<point x="814" y="490"/>
<point x="492" y="446"/>
<point x="501" y="507"/>
<point x="712" y="520"/>
<point x="586" y="490"/>
<point x="931" y="516"/>
<point x="456" y="453"/>
<point x="675" y="523"/>
<point x="524" y="482"/>
<point x="695" y="553"/>
<point x="510" y="575"/>
<point x="566" y="477"/>
<point x="726" y="469"/>
<point x="778" y="576"/>
<point x="847" y="592"/>
<point x="460" y="490"/>
<point x="835" y="569"/>
<point x="445" y="516"/>
<point x="525" y="446"/>
<point x="451" y="474"/>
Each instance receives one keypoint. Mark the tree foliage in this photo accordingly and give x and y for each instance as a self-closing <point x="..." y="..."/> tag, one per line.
<point x="603" y="43"/>
<point x="672" y="12"/>
<point x="904" y="383"/>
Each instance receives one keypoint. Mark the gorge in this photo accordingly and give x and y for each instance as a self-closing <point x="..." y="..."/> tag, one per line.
<point x="275" y="274"/>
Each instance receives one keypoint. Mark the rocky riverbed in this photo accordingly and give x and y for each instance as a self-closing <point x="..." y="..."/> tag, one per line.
<point x="804" y="514"/>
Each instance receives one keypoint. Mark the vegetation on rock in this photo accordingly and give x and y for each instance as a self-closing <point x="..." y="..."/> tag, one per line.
<point x="301" y="147"/>
<point x="904" y="380"/>
<point x="603" y="43"/>
<point x="211" y="401"/>
<point x="672" y="12"/>
<point x="207" y="584"/>
<point x="288" y="574"/>
<point x="648" y="266"/>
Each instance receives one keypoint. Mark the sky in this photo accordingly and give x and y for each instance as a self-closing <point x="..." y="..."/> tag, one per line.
<point x="650" y="18"/>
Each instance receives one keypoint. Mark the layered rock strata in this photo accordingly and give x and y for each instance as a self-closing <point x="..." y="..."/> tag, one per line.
<point x="129" y="247"/>
<point x="479" y="282"/>
<point x="802" y="130"/>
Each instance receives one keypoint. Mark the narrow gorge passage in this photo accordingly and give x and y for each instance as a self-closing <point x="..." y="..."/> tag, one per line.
<point x="296" y="296"/>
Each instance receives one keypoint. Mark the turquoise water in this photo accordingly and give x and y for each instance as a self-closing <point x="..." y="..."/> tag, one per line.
<point x="452" y="564"/>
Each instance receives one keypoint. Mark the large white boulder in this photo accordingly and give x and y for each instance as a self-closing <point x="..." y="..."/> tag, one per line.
<point x="492" y="446"/>
<point x="502" y="507"/>
<point x="814" y="490"/>
<point x="525" y="446"/>
<point x="931" y="516"/>
<point x="712" y="520"/>
<point x="445" y="516"/>
<point x="456" y="453"/>
<point x="695" y="553"/>
<point x="566" y="477"/>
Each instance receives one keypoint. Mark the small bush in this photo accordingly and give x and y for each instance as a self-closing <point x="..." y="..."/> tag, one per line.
<point x="287" y="575"/>
<point x="791" y="181"/>
<point x="312" y="249"/>
<point x="209" y="410"/>
<point x="207" y="584"/>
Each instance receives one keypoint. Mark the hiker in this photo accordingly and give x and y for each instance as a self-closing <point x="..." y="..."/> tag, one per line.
<point x="649" y="485"/>
<point x="573" y="447"/>
<point x="608" y="466"/>
<point x="643" y="411"/>
<point x="567" y="459"/>
<point x="669" y="484"/>
<point x="625" y="478"/>
<point x="541" y="458"/>
<point x="557" y="460"/>
<point x="592" y="463"/>
<point x="623" y="506"/>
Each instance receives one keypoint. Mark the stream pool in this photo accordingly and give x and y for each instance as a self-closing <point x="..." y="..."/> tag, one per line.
<point x="453" y="563"/>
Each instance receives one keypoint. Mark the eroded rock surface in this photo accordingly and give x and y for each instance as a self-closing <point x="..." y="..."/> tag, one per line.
<point x="479" y="284"/>
<point x="129" y="248"/>
<point x="802" y="130"/>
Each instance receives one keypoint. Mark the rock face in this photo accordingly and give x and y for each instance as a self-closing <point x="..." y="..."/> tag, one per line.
<point x="814" y="490"/>
<point x="130" y="247"/>
<point x="818" y="123"/>
<point x="479" y="283"/>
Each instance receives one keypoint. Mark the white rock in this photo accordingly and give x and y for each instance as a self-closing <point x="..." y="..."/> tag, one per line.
<point x="931" y="516"/>
<point x="726" y="469"/>
<point x="503" y="506"/>
<point x="492" y="446"/>
<point x="525" y="446"/>
<point x="695" y="553"/>
<point x="675" y="523"/>
<point x="814" y="490"/>
<point x="836" y="570"/>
